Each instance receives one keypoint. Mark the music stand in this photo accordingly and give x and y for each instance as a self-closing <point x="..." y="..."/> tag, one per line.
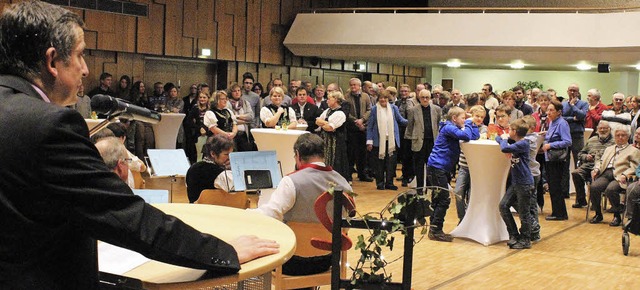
<point x="254" y="170"/>
<point x="168" y="163"/>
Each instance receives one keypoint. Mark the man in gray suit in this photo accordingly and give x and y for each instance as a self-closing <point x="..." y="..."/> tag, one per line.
<point x="422" y="130"/>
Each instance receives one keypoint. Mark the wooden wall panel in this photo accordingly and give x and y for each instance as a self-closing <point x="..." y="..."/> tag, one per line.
<point x="253" y="31"/>
<point x="151" y="31"/>
<point x="207" y="28"/>
<point x="248" y="34"/>
<point x="190" y="19"/>
<point x="226" y="51"/>
<point x="398" y="69"/>
<point x="173" y="28"/>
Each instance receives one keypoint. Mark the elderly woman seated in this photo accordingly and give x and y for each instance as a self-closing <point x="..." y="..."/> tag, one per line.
<point x="610" y="174"/>
<point x="212" y="171"/>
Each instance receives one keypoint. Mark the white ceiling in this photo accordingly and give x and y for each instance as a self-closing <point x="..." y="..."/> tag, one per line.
<point x="540" y="41"/>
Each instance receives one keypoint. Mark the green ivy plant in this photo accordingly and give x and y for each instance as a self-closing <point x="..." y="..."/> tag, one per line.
<point x="527" y="85"/>
<point x="371" y="266"/>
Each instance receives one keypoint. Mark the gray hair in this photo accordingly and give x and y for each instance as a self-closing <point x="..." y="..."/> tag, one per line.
<point x="112" y="151"/>
<point x="595" y="93"/>
<point x="28" y="29"/>
<point x="309" y="145"/>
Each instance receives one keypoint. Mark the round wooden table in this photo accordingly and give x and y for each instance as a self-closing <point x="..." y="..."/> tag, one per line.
<point x="225" y="223"/>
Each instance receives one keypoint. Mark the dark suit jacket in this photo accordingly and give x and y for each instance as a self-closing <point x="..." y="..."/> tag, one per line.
<point x="311" y="112"/>
<point x="57" y="197"/>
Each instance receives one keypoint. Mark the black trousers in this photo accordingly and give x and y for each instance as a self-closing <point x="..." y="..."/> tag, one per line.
<point x="407" y="162"/>
<point x="384" y="168"/>
<point x="357" y="150"/>
<point x="581" y="175"/>
<point x="555" y="175"/>
<point x="419" y="160"/>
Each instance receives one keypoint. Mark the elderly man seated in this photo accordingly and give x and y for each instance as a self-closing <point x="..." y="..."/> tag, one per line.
<point x="633" y="194"/>
<point x="591" y="152"/>
<point x="115" y="156"/>
<point x="610" y="175"/>
<point x="296" y="194"/>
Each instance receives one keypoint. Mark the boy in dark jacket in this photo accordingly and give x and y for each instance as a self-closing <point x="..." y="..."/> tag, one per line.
<point x="518" y="193"/>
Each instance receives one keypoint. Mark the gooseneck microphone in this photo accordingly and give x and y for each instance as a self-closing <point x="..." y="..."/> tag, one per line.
<point x="108" y="105"/>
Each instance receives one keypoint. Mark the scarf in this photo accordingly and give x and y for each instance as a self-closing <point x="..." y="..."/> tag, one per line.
<point x="236" y="104"/>
<point x="386" y="130"/>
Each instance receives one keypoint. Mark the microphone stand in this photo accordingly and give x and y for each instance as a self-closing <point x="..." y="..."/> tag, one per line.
<point x="102" y="124"/>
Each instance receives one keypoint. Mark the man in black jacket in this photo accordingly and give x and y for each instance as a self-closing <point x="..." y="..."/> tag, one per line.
<point x="57" y="196"/>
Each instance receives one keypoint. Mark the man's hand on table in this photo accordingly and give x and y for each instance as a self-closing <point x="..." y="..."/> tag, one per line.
<point x="252" y="247"/>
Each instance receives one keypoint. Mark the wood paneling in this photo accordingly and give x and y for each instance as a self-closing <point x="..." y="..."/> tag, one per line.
<point x="150" y="31"/>
<point x="248" y="34"/>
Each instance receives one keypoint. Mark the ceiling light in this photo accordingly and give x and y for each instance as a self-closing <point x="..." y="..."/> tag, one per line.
<point x="638" y="66"/>
<point x="205" y="52"/>
<point x="517" y="65"/>
<point x="584" y="66"/>
<point x="453" y="63"/>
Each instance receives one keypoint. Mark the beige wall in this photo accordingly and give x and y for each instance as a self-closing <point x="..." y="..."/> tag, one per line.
<point x="533" y="3"/>
<point x="471" y="80"/>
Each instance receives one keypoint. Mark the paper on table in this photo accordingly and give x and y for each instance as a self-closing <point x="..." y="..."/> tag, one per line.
<point x="115" y="260"/>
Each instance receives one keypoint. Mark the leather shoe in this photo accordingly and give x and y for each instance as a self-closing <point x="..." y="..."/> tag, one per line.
<point x="579" y="205"/>
<point x="596" y="219"/>
<point x="556" y="218"/>
<point x="390" y="186"/>
<point x="616" y="221"/>
<point x="365" y="178"/>
<point x="380" y="186"/>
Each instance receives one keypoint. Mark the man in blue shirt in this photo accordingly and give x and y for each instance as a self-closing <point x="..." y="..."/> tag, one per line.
<point x="574" y="111"/>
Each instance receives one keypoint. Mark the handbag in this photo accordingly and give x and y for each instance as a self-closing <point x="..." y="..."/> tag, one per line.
<point x="559" y="154"/>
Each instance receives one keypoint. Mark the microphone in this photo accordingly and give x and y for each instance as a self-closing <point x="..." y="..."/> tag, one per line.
<point x="108" y="105"/>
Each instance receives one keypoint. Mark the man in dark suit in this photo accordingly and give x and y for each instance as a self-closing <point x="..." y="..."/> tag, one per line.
<point x="57" y="196"/>
<point x="422" y="130"/>
<point x="306" y="111"/>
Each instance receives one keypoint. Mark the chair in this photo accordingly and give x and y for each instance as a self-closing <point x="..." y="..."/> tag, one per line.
<point x="223" y="198"/>
<point x="138" y="181"/>
<point x="304" y="233"/>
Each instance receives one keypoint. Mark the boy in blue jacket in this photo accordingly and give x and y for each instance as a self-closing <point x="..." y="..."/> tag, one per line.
<point x="519" y="192"/>
<point x="441" y="161"/>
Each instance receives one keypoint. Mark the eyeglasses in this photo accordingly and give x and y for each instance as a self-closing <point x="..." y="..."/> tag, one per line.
<point x="425" y="97"/>
<point x="501" y="116"/>
<point x="618" y="100"/>
<point x="248" y="83"/>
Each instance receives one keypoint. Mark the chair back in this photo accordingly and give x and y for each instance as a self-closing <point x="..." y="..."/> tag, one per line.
<point x="138" y="181"/>
<point x="223" y="198"/>
<point x="304" y="233"/>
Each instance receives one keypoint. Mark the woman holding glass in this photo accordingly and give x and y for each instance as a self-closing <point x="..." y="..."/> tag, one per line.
<point x="557" y="141"/>
<point x="277" y="114"/>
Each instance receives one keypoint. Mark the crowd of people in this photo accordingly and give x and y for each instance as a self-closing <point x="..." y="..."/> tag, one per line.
<point x="382" y="126"/>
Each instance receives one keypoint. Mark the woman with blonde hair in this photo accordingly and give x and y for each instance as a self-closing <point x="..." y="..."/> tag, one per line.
<point x="277" y="113"/>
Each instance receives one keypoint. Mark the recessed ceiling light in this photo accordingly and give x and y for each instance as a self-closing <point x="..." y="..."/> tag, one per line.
<point x="453" y="63"/>
<point x="205" y="52"/>
<point x="517" y="65"/>
<point x="638" y="66"/>
<point x="583" y="66"/>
